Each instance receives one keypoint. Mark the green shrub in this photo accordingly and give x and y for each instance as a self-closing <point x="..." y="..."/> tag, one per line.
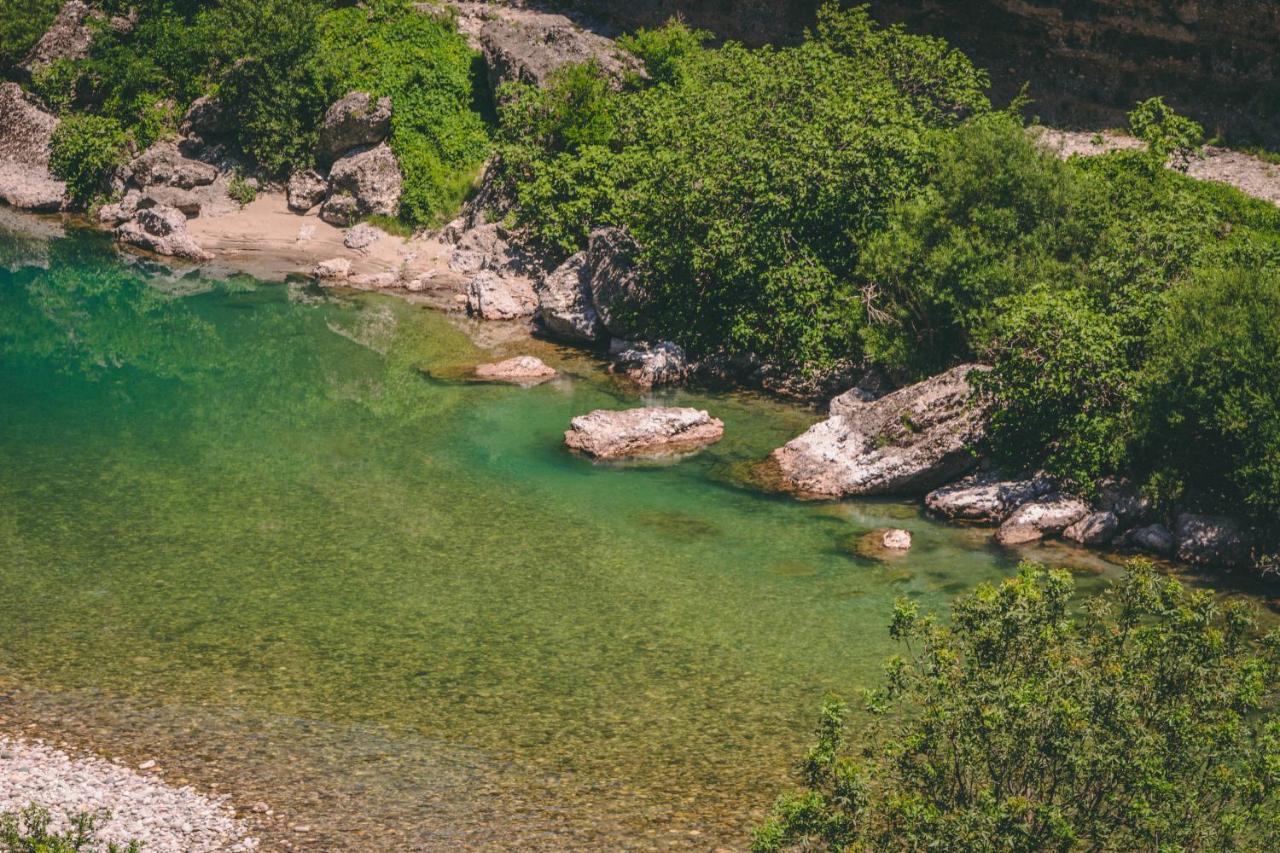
<point x="242" y="190"/>
<point x="22" y="22"/>
<point x="56" y="83"/>
<point x="85" y="150"/>
<point x="1166" y="133"/>
<point x="1145" y="720"/>
<point x="27" y="831"/>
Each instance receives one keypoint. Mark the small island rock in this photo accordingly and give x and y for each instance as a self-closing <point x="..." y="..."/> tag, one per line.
<point x="642" y="432"/>
<point x="522" y="370"/>
<point x="896" y="539"/>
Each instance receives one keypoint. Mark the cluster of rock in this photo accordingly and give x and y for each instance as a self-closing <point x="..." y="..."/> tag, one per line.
<point x="364" y="177"/>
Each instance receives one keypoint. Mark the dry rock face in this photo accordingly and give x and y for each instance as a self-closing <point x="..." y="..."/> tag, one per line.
<point x="565" y="307"/>
<point x="529" y="47"/>
<point x="306" y="189"/>
<point x="642" y="432"/>
<point x="492" y="297"/>
<point x="1038" y="519"/>
<point x="909" y="441"/>
<point x="521" y="370"/>
<point x="987" y="501"/>
<point x="206" y="116"/>
<point x="363" y="182"/>
<point x="334" y="269"/>
<point x="162" y="230"/>
<point x="486" y="247"/>
<point x="25" y="131"/>
<point x="357" y="119"/>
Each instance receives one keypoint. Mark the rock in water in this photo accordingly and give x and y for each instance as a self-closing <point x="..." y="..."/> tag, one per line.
<point x="354" y="120"/>
<point x="1210" y="540"/>
<point x="25" y="131"/>
<point x="649" y="365"/>
<point x="565" y="308"/>
<point x="1041" y="518"/>
<point x="906" y="442"/>
<point x="522" y="370"/>
<point x="1154" y="539"/>
<point x="362" y="182"/>
<point x="492" y="297"/>
<point x="163" y="230"/>
<point x="306" y="189"/>
<point x="988" y="501"/>
<point x="642" y="432"/>
<point x="1096" y="528"/>
<point x="896" y="539"/>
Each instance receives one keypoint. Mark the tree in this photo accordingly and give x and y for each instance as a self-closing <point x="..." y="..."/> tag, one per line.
<point x="1142" y="721"/>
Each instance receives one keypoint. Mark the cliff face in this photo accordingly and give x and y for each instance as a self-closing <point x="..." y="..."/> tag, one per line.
<point x="1088" y="61"/>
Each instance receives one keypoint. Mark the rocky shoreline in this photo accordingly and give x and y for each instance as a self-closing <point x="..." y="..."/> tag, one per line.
<point x="130" y="804"/>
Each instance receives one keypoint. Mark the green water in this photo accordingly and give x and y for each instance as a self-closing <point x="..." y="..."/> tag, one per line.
<point x="264" y="527"/>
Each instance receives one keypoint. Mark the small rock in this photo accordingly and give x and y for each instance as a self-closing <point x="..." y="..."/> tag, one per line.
<point x="522" y="370"/>
<point x="334" y="269"/>
<point x="163" y="230"/>
<point x="146" y="765"/>
<point x="896" y="539"/>
<point x="642" y="432"/>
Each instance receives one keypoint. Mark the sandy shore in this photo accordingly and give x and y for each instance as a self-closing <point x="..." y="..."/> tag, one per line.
<point x="141" y="807"/>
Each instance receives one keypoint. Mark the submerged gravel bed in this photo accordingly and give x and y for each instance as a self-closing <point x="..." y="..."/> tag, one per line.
<point x="142" y="808"/>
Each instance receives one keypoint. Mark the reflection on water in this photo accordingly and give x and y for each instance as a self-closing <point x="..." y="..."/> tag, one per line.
<point x="242" y="526"/>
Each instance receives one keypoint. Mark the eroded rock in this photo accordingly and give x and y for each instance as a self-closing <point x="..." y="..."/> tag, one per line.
<point x="163" y="230"/>
<point x="649" y="365"/>
<point x="642" y="432"/>
<point x="164" y="164"/>
<point x="362" y="236"/>
<point x="334" y="269"/>
<point x="1153" y="539"/>
<point x="1210" y="540"/>
<point x="1041" y="518"/>
<point x="1095" y="529"/>
<point x="616" y="287"/>
<point x="565" y="307"/>
<point x="68" y="37"/>
<point x="207" y="116"/>
<point x="354" y="120"/>
<point x="492" y="297"/>
<point x="906" y="442"/>
<point x="896" y="539"/>
<point x="533" y="47"/>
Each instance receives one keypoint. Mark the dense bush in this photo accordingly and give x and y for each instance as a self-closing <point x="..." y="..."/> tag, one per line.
<point x="1144" y="721"/>
<point x="22" y="22"/>
<point x="84" y="151"/>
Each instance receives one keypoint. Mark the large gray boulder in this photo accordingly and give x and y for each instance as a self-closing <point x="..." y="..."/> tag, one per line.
<point x="906" y="442"/>
<point x="486" y="247"/>
<point x="363" y="182"/>
<point x="531" y="47"/>
<point x="1210" y="540"/>
<point x="68" y="37"/>
<point x="616" y="287"/>
<point x="163" y="164"/>
<point x="1038" y="519"/>
<point x="355" y="120"/>
<point x="565" y="308"/>
<point x="642" y="432"/>
<point x="306" y="189"/>
<point x="162" y="230"/>
<point x="492" y="297"/>
<point x="25" y="131"/>
<point x="985" y="500"/>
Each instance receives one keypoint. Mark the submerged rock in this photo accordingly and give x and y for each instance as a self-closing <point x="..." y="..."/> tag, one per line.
<point x="492" y="297"/>
<point x="565" y="307"/>
<point x="25" y="131"/>
<point x="908" y="441"/>
<point x="896" y="539"/>
<point x="988" y="501"/>
<point x="353" y="120"/>
<point x="1038" y="519"/>
<point x="522" y="370"/>
<point x="642" y="432"/>
<point x="1210" y="540"/>
<point x="163" y="230"/>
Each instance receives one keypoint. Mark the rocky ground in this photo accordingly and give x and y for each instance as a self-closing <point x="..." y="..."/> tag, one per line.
<point x="164" y="818"/>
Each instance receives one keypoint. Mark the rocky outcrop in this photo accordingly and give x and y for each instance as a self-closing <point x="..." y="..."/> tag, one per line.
<point x="492" y="297"/>
<point x="530" y="47"/>
<point x="521" y="370"/>
<point x="1210" y="540"/>
<point x="1095" y="529"/>
<point x="565" y="309"/>
<point x="984" y="499"/>
<point x="363" y="182"/>
<point x="120" y="211"/>
<point x="909" y="441"/>
<point x="163" y="230"/>
<point x="355" y="120"/>
<point x="642" y="432"/>
<point x="487" y="247"/>
<point x="649" y="365"/>
<point x="163" y="164"/>
<point x="306" y="189"/>
<point x="617" y="290"/>
<point x="25" y="131"/>
<point x="1038" y="519"/>
<point x="68" y="37"/>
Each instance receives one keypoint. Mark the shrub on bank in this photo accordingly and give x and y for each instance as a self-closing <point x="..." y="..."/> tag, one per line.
<point x="27" y="831"/>
<point x="85" y="151"/>
<point x="1145" y="719"/>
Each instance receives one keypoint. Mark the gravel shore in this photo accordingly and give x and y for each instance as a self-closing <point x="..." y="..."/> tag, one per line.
<point x="142" y="808"/>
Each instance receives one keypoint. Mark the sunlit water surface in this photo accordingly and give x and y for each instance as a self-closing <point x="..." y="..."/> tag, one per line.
<point x="264" y="531"/>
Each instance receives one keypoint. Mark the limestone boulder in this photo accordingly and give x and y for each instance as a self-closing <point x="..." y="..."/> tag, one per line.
<point x="532" y="47"/>
<point x="207" y="116"/>
<point x="649" y="365"/>
<point x="357" y="119"/>
<point x="362" y="236"/>
<point x="25" y="131"/>
<point x="492" y="297"/>
<point x="903" y="443"/>
<point x="334" y="269"/>
<point x="69" y="37"/>
<point x="565" y="308"/>
<point x="896" y="539"/>
<point x="985" y="499"/>
<point x="617" y="290"/>
<point x="306" y="189"/>
<point x="163" y="230"/>
<point x="1041" y="518"/>
<point x="645" y="432"/>
<point x="1152" y="539"/>
<point x="363" y="182"/>
<point x="486" y="247"/>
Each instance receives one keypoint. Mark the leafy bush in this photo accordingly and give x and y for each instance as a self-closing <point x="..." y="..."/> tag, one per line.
<point x="85" y="150"/>
<point x="1165" y="132"/>
<point x="22" y="22"/>
<point x="27" y="831"/>
<point x="1144" y="721"/>
<point x="242" y="190"/>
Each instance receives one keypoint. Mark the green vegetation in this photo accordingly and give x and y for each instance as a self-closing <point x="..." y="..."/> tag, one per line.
<point x="22" y="22"/>
<point x="1166" y="133"/>
<point x="84" y="151"/>
<point x="1142" y="721"/>
<point x="242" y="190"/>
<point x="27" y="831"/>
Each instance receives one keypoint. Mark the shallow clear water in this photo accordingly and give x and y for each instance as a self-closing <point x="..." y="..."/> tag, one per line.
<point x="266" y="531"/>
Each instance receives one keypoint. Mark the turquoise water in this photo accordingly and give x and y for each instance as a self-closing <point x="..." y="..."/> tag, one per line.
<point x="269" y="532"/>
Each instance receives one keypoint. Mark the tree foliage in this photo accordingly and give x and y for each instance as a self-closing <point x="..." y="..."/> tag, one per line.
<point x="1144" y="720"/>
